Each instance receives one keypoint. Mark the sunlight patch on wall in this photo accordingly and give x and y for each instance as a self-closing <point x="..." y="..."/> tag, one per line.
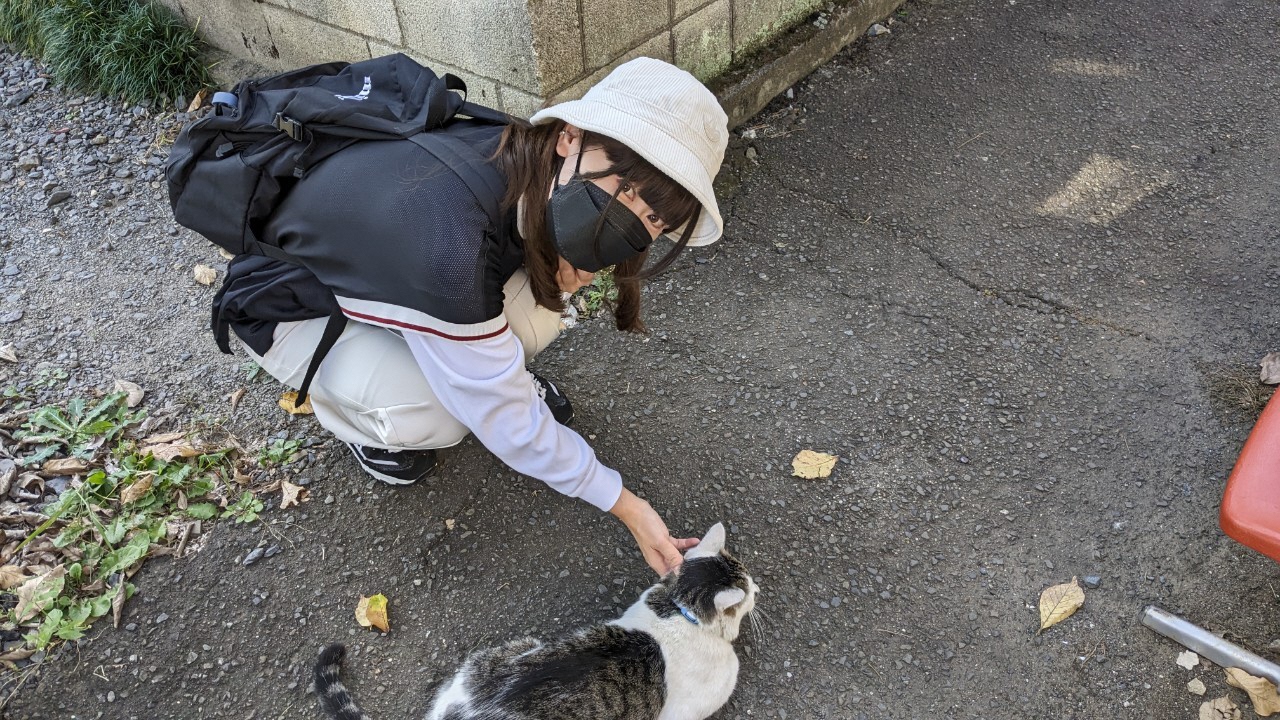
<point x="1104" y="189"/>
<point x="1092" y="68"/>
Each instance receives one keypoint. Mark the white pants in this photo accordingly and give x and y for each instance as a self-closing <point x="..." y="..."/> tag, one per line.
<point x="370" y="390"/>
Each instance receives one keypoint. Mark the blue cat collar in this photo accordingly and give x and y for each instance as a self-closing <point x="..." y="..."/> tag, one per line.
<point x="687" y="615"/>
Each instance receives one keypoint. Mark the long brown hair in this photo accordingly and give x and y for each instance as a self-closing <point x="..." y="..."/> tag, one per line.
<point x="527" y="156"/>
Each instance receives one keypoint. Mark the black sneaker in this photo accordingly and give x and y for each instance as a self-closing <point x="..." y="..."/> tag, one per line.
<point x="395" y="467"/>
<point x="561" y="409"/>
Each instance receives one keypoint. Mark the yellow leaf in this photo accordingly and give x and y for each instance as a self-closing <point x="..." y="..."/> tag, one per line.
<point x="1261" y="692"/>
<point x="11" y="576"/>
<point x="204" y="274"/>
<point x="64" y="466"/>
<point x="1059" y="602"/>
<point x="289" y="401"/>
<point x="811" y="465"/>
<point x="1220" y="709"/>
<point x="133" y="390"/>
<point x="291" y="494"/>
<point x="136" y="490"/>
<point x="372" y="612"/>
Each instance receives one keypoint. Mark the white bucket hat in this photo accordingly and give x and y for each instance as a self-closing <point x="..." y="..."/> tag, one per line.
<point x="668" y="118"/>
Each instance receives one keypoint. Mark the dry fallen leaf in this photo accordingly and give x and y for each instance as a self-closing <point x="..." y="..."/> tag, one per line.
<point x="64" y="466"/>
<point x="163" y="438"/>
<point x="372" y="612"/>
<point x="169" y="452"/>
<point x="225" y="255"/>
<point x="38" y="593"/>
<point x="11" y="576"/>
<point x="1187" y="659"/>
<point x="198" y="101"/>
<point x="236" y="397"/>
<point x="117" y="604"/>
<point x="289" y="401"/>
<point x="1059" y="602"/>
<point x="811" y="465"/>
<point x="1196" y="687"/>
<point x="8" y="353"/>
<point x="136" y="490"/>
<point x="133" y="390"/>
<point x="1262" y="693"/>
<point x="1220" y="709"/>
<point x="1271" y="368"/>
<point x="21" y="653"/>
<point x="291" y="494"/>
<point x="205" y="275"/>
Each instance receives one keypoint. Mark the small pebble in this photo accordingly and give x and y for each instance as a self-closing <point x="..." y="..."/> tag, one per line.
<point x="161" y="618"/>
<point x="1091" y="581"/>
<point x="253" y="557"/>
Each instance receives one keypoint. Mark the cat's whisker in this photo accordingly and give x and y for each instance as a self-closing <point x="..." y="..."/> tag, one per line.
<point x="762" y="617"/>
<point x="756" y="632"/>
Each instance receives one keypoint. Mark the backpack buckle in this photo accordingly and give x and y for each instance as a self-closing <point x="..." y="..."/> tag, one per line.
<point x="288" y="126"/>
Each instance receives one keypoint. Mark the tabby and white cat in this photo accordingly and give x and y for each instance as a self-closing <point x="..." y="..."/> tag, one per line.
<point x="669" y="657"/>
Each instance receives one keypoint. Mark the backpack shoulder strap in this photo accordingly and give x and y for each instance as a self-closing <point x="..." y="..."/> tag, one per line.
<point x="486" y="114"/>
<point x="473" y="169"/>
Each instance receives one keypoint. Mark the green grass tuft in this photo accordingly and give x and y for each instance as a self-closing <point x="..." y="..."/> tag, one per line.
<point x="152" y="54"/>
<point x="75" y="31"/>
<point x="21" y="25"/>
<point x="135" y="49"/>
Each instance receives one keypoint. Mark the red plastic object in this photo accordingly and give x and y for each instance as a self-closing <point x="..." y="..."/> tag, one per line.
<point x="1251" y="504"/>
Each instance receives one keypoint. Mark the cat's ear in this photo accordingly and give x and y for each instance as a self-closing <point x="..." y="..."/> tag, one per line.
<point x="711" y="545"/>
<point x="728" y="598"/>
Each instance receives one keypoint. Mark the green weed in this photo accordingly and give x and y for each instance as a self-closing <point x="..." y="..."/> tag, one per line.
<point x="128" y="499"/>
<point x="279" y="452"/>
<point x="599" y="295"/>
<point x="77" y="430"/>
<point x="245" y="509"/>
<point x="253" y="371"/>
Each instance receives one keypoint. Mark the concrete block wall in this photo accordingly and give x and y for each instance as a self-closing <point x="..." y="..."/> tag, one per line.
<point x="514" y="54"/>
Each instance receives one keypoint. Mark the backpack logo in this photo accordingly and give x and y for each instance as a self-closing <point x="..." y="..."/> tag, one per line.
<point x="364" y="92"/>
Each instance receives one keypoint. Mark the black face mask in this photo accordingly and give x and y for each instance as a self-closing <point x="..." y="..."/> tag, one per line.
<point x="589" y="228"/>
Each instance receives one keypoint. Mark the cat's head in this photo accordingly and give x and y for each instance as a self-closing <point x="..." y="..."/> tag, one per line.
<point x="710" y="589"/>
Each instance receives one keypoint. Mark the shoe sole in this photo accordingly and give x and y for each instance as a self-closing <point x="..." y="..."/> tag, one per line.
<point x="388" y="479"/>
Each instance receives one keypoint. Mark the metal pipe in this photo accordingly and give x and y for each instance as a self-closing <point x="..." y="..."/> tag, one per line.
<point x="1212" y="647"/>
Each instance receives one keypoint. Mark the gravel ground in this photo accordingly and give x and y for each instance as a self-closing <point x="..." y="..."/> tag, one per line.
<point x="1001" y="261"/>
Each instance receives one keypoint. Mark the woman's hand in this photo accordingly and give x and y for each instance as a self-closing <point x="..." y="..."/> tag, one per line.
<point x="571" y="279"/>
<point x="660" y="550"/>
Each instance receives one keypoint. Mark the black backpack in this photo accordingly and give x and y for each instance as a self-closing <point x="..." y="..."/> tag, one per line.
<point x="228" y="171"/>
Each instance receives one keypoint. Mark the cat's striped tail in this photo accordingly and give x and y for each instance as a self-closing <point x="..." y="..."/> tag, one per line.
<point x="334" y="698"/>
